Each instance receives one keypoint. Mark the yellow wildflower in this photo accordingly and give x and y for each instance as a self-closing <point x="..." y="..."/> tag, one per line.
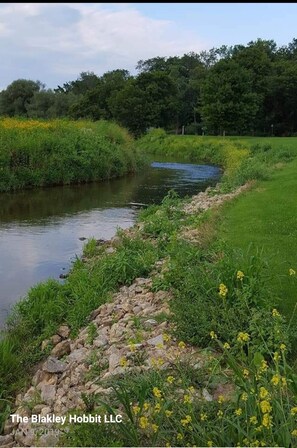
<point x="265" y="406"/>
<point x="246" y="373"/>
<point x="157" y="408"/>
<point x="191" y="389"/>
<point x="170" y="379"/>
<point x="275" y="313"/>
<point x="187" y="399"/>
<point x="221" y="399"/>
<point x="243" y="337"/>
<point x="168" y="413"/>
<point x="132" y="347"/>
<point x="284" y="381"/>
<point x="157" y="393"/>
<point x="294" y="433"/>
<point x="213" y="335"/>
<point x="145" y="406"/>
<point x="244" y="396"/>
<point x="166" y="337"/>
<point x="123" y="362"/>
<point x="256" y="443"/>
<point x="220" y="413"/>
<point x="160" y="345"/>
<point x="182" y="345"/>
<point x="136" y="410"/>
<point x="276" y="356"/>
<point x="223" y="290"/>
<point x="239" y="275"/>
<point x="179" y="436"/>
<point x="226" y="346"/>
<point x="275" y="379"/>
<point x="253" y="420"/>
<point x="264" y="366"/>
<point x="267" y="421"/>
<point x="186" y="421"/>
<point x="155" y="427"/>
<point x="263" y="393"/>
<point x="283" y="347"/>
<point x="203" y="416"/>
<point x="210" y="443"/>
<point x="292" y="272"/>
<point x="238" y="411"/>
<point x="294" y="411"/>
<point x="143" y="422"/>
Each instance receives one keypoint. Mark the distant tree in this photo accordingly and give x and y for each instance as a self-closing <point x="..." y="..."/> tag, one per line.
<point x="94" y="104"/>
<point x="85" y="82"/>
<point x="148" y="100"/>
<point x="228" y="101"/>
<point x="15" y="99"/>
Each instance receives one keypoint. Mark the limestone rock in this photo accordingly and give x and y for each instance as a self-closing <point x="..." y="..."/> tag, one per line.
<point x="53" y="365"/>
<point x="156" y="340"/>
<point x="48" y="393"/>
<point x="64" y="331"/>
<point x="61" y="349"/>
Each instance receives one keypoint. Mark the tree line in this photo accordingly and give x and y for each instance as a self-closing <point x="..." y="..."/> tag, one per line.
<point x="234" y="90"/>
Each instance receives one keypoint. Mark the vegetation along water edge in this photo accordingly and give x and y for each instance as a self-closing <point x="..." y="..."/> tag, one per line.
<point x="190" y="318"/>
<point x="38" y="153"/>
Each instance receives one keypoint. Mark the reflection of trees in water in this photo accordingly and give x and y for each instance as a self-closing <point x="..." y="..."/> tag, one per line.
<point x="147" y="187"/>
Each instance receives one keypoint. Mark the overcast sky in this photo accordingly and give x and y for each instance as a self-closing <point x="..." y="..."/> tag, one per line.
<point x="54" y="42"/>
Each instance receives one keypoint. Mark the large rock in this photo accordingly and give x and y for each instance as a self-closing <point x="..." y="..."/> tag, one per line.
<point x="4" y="440"/>
<point x="114" y="360"/>
<point x="78" y="355"/>
<point x="64" y="331"/>
<point x="61" y="349"/>
<point x="53" y="365"/>
<point x="156" y="340"/>
<point x="48" y="393"/>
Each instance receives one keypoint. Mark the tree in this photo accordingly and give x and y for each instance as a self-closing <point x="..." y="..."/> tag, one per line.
<point x="15" y="99"/>
<point x="148" y="100"/>
<point x="228" y="101"/>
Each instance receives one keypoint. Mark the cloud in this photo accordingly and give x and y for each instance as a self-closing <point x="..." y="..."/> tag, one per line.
<point x="55" y="42"/>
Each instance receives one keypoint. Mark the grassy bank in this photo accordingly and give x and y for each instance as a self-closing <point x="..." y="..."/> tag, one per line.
<point x="264" y="220"/>
<point x="36" y="153"/>
<point x="224" y="301"/>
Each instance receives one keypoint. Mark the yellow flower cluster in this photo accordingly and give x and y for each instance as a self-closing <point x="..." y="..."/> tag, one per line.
<point x="292" y="271"/>
<point x="157" y="393"/>
<point x="239" y="275"/>
<point x="265" y="406"/>
<point x="275" y="313"/>
<point x="243" y="337"/>
<point x="143" y="422"/>
<point x="170" y="379"/>
<point x="223" y="290"/>
<point x="186" y="421"/>
<point x="213" y="335"/>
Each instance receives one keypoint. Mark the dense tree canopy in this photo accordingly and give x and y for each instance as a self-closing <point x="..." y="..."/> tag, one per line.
<point x="243" y="89"/>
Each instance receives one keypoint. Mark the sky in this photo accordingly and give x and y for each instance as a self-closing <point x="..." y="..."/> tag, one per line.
<point x="55" y="42"/>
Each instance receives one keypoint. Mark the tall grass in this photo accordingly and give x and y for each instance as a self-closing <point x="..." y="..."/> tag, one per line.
<point x="51" y="152"/>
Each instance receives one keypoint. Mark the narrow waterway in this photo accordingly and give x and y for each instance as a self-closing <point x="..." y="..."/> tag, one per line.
<point x="41" y="230"/>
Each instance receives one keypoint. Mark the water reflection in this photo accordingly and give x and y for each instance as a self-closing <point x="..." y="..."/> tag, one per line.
<point x="40" y="229"/>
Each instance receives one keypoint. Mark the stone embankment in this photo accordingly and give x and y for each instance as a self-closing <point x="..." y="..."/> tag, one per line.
<point x="131" y="333"/>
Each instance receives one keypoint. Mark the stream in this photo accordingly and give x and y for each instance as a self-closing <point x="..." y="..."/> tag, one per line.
<point x="40" y="229"/>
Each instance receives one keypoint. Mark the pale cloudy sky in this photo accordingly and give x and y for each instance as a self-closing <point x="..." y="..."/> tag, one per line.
<point x="54" y="42"/>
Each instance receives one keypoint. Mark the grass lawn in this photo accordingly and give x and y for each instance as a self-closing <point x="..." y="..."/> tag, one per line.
<point x="266" y="219"/>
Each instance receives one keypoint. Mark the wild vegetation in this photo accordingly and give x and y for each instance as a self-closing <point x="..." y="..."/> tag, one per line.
<point x="56" y="152"/>
<point x="223" y="301"/>
<point x="238" y="90"/>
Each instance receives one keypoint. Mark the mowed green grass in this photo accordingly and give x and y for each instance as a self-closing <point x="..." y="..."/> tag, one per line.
<point x="265" y="218"/>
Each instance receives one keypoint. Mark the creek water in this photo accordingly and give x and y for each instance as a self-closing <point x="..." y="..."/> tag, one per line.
<point x="40" y="229"/>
